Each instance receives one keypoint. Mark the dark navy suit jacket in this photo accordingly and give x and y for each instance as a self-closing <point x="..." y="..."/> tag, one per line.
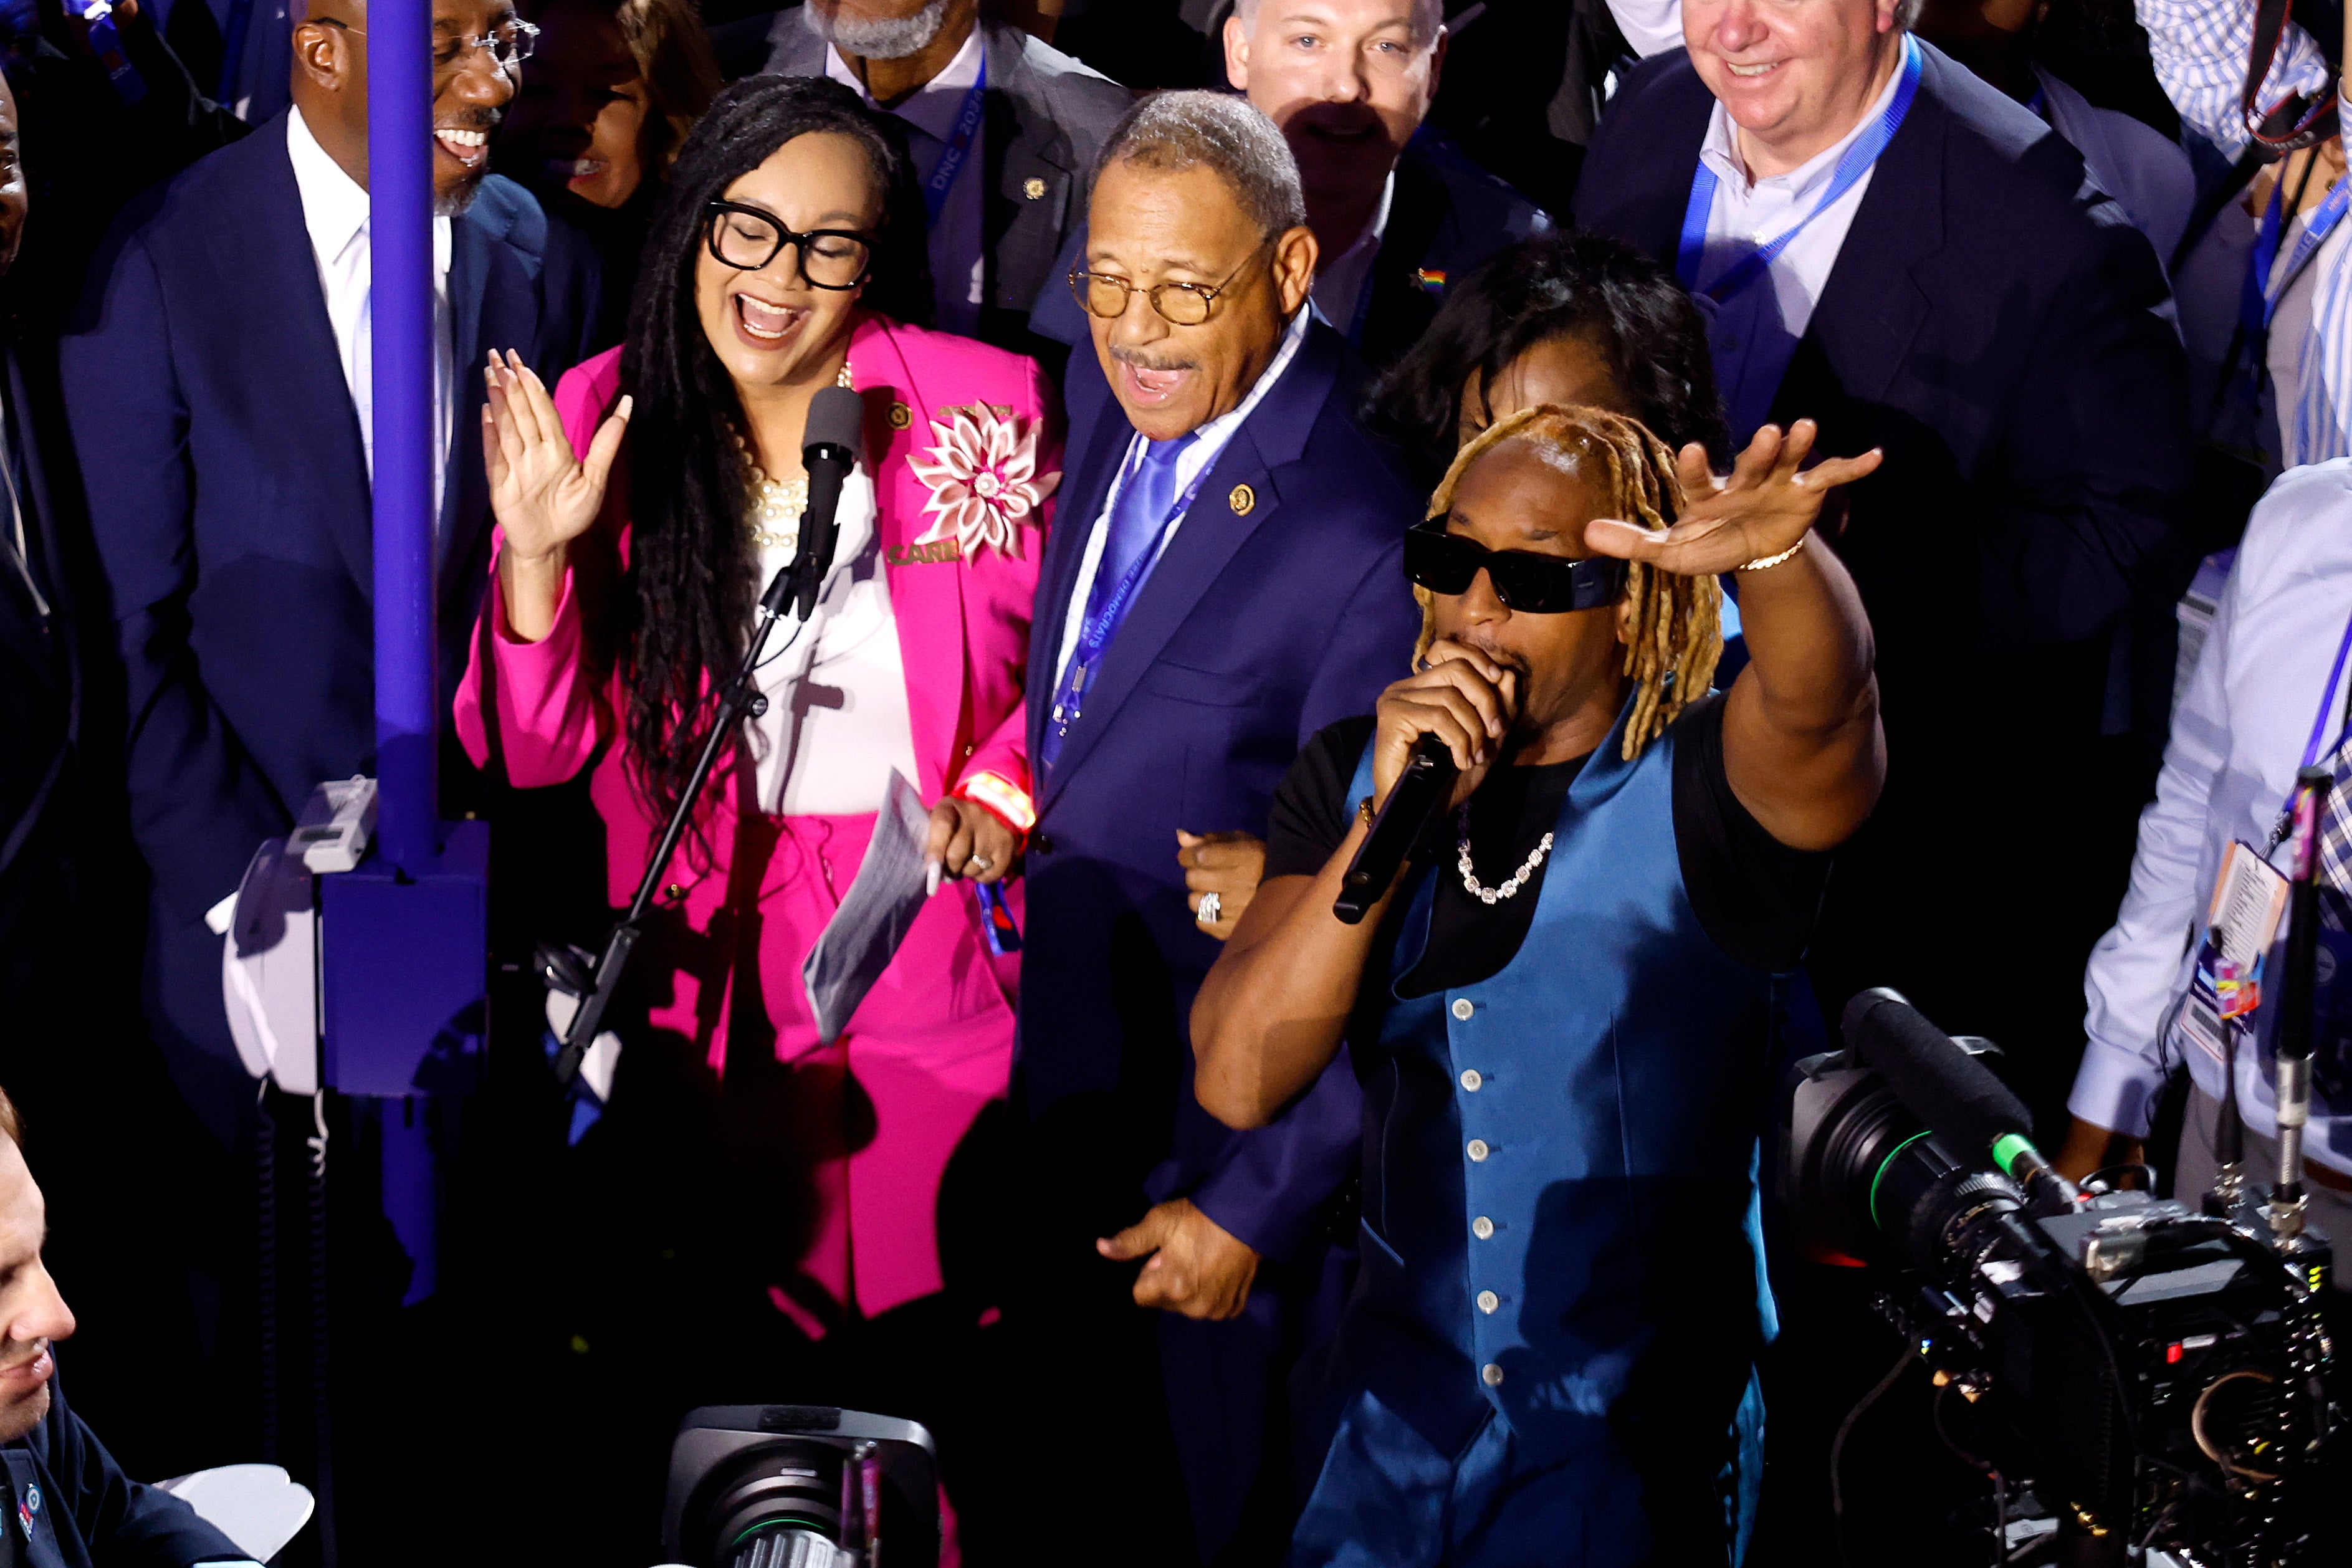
<point x="227" y="493"/>
<point x="1990" y="323"/>
<point x="81" y="1509"/>
<point x="1279" y="606"/>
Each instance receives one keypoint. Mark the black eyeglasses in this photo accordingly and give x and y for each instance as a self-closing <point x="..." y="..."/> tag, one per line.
<point x="747" y="239"/>
<point x="1528" y="583"/>
<point x="1185" y="304"/>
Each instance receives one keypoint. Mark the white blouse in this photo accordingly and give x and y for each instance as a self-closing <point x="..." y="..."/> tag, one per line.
<point x="837" y="720"/>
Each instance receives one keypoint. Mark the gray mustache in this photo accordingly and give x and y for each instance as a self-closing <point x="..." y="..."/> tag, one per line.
<point x="1141" y="360"/>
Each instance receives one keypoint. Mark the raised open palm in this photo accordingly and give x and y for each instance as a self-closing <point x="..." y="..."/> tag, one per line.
<point x="1765" y="507"/>
<point x="543" y="496"/>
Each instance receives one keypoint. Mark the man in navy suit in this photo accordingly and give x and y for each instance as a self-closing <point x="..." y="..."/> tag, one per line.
<point x="217" y="381"/>
<point x="1225" y="579"/>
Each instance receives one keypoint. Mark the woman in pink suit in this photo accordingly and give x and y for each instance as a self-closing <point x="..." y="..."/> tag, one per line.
<point x="618" y="608"/>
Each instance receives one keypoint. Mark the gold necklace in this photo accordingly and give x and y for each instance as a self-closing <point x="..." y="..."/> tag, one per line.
<point x="776" y="504"/>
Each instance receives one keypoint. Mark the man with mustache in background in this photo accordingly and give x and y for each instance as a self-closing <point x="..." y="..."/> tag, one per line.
<point x="68" y="1504"/>
<point x="1227" y="579"/>
<point x="1001" y="131"/>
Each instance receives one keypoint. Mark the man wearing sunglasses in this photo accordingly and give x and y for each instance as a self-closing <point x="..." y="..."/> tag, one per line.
<point x="218" y="378"/>
<point x="1223" y="581"/>
<point x="1564" y="1009"/>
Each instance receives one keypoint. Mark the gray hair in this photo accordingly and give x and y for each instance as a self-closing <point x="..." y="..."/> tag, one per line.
<point x="889" y="38"/>
<point x="1218" y="130"/>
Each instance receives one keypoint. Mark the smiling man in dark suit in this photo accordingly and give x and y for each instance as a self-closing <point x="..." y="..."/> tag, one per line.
<point x="1227" y="576"/>
<point x="217" y="380"/>
<point x="1003" y="189"/>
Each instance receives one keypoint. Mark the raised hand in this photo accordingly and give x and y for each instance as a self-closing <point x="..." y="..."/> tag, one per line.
<point x="544" y="497"/>
<point x="1766" y="506"/>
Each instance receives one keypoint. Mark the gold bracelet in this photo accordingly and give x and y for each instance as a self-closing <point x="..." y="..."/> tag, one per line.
<point x="1364" y="811"/>
<point x="1766" y="563"/>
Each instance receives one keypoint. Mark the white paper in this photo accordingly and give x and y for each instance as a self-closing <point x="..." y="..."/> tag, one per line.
<point x="857" y="944"/>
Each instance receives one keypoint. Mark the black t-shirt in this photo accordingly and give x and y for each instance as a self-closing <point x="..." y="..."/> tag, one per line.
<point x="1754" y="896"/>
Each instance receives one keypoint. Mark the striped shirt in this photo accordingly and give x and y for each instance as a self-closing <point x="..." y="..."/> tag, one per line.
<point x="2200" y="48"/>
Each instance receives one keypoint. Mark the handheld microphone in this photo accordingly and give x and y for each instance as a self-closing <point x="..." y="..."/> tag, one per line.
<point x="829" y="445"/>
<point x="1421" y="793"/>
<point x="1963" y="1104"/>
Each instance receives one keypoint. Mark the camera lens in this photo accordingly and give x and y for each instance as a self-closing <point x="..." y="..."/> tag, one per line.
<point x="785" y="1546"/>
<point x="780" y="1507"/>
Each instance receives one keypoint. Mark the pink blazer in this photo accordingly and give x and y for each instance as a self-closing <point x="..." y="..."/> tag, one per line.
<point x="963" y="631"/>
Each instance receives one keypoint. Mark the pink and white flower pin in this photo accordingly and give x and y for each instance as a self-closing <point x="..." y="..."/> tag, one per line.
<point x="984" y="480"/>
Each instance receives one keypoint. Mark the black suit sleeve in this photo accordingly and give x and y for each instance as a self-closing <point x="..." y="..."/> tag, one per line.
<point x="124" y="1524"/>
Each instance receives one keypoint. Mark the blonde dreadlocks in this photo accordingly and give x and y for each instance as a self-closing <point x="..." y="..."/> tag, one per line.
<point x="1676" y="634"/>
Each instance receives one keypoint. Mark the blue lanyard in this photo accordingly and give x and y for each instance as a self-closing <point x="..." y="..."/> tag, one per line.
<point x="1851" y="168"/>
<point x="959" y="141"/>
<point x="2311" y="748"/>
<point x="1103" y="615"/>
<point x="2260" y="301"/>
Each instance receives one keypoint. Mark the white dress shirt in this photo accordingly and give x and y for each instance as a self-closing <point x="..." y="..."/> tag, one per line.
<point x="1754" y="334"/>
<point x="959" y="260"/>
<point x="2238" y="735"/>
<point x="1340" y="283"/>
<point x="2200" y="48"/>
<point x="1190" y="463"/>
<point x="837" y="719"/>
<point x="1651" y="27"/>
<point x="335" y="211"/>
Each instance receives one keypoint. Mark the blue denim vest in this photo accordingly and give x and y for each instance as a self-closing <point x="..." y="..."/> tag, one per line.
<point x="1560" y="1214"/>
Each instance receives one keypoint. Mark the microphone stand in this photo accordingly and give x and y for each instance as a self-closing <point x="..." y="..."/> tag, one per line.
<point x="796" y="585"/>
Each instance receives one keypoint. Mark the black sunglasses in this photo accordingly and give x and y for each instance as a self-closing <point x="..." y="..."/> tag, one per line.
<point x="1526" y="583"/>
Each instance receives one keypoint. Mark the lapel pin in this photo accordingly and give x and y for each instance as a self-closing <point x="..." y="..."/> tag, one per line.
<point x="901" y="416"/>
<point x="1034" y="189"/>
<point x="1241" y="499"/>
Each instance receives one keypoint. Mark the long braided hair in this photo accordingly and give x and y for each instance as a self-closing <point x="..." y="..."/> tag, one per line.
<point x="1677" y="630"/>
<point x="692" y="574"/>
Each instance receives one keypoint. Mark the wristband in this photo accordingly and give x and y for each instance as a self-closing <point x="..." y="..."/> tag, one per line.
<point x="1002" y="799"/>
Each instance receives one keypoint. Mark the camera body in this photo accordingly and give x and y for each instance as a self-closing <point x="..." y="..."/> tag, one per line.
<point x="2156" y="1368"/>
<point x="800" y="1486"/>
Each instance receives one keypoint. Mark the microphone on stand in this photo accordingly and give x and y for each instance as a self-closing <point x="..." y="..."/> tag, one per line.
<point x="1419" y="796"/>
<point x="829" y="445"/>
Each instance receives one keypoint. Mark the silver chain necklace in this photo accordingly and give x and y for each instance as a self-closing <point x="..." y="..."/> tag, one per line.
<point x="1517" y="879"/>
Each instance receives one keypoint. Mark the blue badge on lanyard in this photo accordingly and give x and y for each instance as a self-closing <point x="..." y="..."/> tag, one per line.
<point x="2258" y="302"/>
<point x="105" y="43"/>
<point x="1103" y="615"/>
<point x="1691" y="247"/>
<point x="960" y="139"/>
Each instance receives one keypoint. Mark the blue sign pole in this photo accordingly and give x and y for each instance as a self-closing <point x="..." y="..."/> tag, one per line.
<point x="408" y="447"/>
